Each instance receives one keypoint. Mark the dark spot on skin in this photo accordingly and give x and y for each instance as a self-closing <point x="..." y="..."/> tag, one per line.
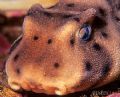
<point x="102" y="12"/>
<point x="35" y="37"/>
<point x="88" y="66"/>
<point x="72" y="41"/>
<point x="49" y="41"/>
<point x="48" y="14"/>
<point x="15" y="44"/>
<point x="18" y="71"/>
<point x="96" y="46"/>
<point x="71" y="5"/>
<point x="16" y="57"/>
<point x="67" y="16"/>
<point x="56" y="65"/>
<point x="77" y="19"/>
<point x="98" y="23"/>
<point x="106" y="69"/>
<point x="104" y="34"/>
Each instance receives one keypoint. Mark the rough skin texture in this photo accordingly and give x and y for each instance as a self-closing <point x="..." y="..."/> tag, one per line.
<point x="50" y="56"/>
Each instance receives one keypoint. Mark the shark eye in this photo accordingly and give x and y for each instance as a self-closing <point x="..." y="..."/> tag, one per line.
<point x="85" y="32"/>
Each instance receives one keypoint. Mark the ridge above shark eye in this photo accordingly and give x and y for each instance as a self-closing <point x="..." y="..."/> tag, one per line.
<point x="85" y="32"/>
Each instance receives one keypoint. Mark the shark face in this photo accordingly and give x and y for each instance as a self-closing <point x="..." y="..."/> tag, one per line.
<point x="72" y="46"/>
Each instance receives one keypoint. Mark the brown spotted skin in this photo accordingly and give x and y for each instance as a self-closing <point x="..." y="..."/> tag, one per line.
<point x="50" y="57"/>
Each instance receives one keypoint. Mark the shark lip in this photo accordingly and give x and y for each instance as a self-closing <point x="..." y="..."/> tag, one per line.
<point x="15" y="86"/>
<point x="26" y="87"/>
